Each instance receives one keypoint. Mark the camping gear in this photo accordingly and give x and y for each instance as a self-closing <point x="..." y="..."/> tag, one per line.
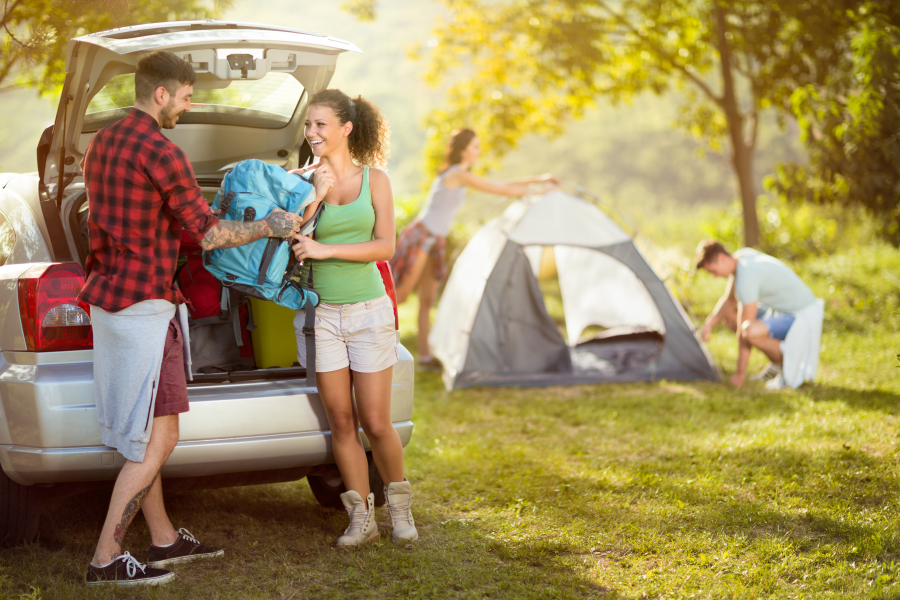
<point x="492" y="327"/>
<point x="249" y="192"/>
<point x="274" y="342"/>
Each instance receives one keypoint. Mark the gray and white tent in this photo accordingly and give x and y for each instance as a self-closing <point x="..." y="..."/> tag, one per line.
<point x="492" y="327"/>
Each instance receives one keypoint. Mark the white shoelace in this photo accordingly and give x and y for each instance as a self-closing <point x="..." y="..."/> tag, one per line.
<point x="401" y="510"/>
<point x="131" y="564"/>
<point x="188" y="535"/>
<point x="358" y="519"/>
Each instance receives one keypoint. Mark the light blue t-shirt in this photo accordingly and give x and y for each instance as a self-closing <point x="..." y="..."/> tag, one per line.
<point x="765" y="279"/>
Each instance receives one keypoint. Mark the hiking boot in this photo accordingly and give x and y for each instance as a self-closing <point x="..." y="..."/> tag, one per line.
<point x="127" y="571"/>
<point x="770" y="372"/>
<point x="362" y="526"/>
<point x="399" y="499"/>
<point x="185" y="549"/>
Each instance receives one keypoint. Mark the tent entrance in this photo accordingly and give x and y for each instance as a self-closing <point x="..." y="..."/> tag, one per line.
<point x="616" y="326"/>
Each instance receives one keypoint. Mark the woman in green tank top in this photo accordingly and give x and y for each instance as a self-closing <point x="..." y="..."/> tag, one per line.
<point x="355" y="319"/>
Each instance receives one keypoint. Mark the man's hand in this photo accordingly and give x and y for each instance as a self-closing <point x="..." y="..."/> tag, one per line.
<point x="737" y="380"/>
<point x="705" y="331"/>
<point x="283" y="224"/>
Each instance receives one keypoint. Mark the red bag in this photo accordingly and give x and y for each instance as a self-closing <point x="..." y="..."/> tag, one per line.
<point x="202" y="290"/>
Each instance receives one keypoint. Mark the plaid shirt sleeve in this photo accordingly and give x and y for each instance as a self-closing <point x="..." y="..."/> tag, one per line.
<point x="181" y="193"/>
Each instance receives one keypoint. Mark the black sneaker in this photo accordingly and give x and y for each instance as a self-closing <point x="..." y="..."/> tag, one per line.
<point x="185" y="549"/>
<point x="126" y="570"/>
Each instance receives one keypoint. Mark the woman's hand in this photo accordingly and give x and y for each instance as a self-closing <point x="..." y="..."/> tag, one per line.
<point x="551" y="179"/>
<point x="305" y="247"/>
<point x="324" y="181"/>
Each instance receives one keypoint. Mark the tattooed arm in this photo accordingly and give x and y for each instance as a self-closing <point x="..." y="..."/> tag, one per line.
<point x="228" y="234"/>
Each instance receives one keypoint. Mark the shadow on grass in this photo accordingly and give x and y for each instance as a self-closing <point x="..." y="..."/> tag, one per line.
<point x="872" y="400"/>
<point x="278" y="543"/>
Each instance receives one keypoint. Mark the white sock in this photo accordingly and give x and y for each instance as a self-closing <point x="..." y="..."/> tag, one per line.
<point x="172" y="544"/>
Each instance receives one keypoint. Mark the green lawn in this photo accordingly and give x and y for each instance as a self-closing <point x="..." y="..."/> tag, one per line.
<point x="661" y="490"/>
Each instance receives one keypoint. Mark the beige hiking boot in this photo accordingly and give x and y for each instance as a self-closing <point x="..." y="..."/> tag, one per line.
<point x="362" y="526"/>
<point x="399" y="499"/>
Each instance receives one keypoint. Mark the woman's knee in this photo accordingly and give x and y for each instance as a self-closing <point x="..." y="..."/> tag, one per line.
<point x="378" y="429"/>
<point x="343" y="424"/>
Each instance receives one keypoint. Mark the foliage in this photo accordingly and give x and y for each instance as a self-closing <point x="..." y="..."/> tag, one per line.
<point x="35" y="33"/>
<point x="364" y="10"/>
<point x="850" y="125"/>
<point x="530" y="66"/>
<point x="406" y="207"/>
<point x="790" y="231"/>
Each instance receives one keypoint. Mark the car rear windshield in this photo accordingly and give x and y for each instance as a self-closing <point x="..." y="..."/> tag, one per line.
<point x="266" y="103"/>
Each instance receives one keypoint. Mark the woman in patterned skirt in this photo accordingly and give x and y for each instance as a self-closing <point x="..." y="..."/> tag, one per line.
<point x="418" y="262"/>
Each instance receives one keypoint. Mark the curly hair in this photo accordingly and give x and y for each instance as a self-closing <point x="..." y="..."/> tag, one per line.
<point x="459" y="141"/>
<point x="369" y="140"/>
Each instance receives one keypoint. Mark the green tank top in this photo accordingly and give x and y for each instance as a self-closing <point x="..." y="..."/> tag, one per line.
<point x="339" y="281"/>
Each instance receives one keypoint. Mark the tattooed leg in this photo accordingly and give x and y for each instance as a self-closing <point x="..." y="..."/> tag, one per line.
<point x="134" y="488"/>
<point x="131" y="509"/>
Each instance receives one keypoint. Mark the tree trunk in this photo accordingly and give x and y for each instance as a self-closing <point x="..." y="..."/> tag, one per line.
<point x="741" y="152"/>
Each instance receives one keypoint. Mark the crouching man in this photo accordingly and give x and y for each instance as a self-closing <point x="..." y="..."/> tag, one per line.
<point x="142" y="194"/>
<point x="769" y="308"/>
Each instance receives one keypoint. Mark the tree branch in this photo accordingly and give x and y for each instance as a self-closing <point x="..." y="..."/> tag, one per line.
<point x="7" y="10"/>
<point x="661" y="52"/>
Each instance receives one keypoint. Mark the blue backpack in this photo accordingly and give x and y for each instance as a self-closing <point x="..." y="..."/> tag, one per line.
<point x="250" y="192"/>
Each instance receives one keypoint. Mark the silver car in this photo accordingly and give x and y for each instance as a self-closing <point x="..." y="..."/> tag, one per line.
<point x="247" y="424"/>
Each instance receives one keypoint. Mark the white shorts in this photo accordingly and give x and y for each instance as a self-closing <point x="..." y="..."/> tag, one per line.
<point x="359" y="335"/>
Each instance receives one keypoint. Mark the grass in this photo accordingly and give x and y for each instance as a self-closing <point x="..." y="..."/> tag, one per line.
<point x="659" y="490"/>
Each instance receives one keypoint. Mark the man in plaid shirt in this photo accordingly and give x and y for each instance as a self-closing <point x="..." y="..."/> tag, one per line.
<point x="142" y="194"/>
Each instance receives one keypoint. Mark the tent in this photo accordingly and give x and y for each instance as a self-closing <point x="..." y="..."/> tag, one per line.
<point x="492" y="327"/>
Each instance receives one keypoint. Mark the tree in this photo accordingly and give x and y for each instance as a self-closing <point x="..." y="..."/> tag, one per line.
<point x="851" y="125"/>
<point x="34" y="33"/>
<point x="517" y="66"/>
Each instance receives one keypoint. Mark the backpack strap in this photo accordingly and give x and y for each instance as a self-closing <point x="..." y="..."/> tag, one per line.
<point x="272" y="247"/>
<point x="309" y="326"/>
<point x="309" y="334"/>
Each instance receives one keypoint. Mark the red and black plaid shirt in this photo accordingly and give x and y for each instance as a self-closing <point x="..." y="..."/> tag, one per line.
<point x="141" y="194"/>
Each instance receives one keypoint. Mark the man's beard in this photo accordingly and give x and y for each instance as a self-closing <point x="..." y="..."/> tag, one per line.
<point x="168" y="115"/>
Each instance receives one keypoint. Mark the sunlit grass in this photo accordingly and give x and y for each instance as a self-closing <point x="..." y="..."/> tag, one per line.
<point x="659" y="490"/>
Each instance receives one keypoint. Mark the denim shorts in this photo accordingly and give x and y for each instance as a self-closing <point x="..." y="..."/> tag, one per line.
<point x="777" y="323"/>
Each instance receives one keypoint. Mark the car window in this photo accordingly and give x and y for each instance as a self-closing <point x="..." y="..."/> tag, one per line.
<point x="267" y="103"/>
<point x="7" y="239"/>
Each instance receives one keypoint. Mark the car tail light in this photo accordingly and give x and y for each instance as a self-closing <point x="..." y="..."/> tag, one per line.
<point x="384" y="267"/>
<point x="52" y="317"/>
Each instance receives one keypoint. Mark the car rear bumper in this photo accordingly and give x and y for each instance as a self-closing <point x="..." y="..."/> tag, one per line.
<point x="49" y="432"/>
<point x="189" y="459"/>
